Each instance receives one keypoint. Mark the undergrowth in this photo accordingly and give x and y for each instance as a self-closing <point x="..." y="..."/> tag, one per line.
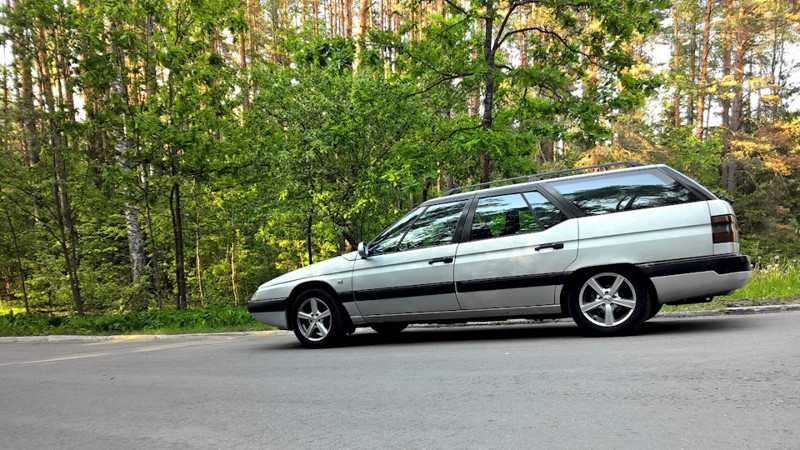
<point x="208" y="319"/>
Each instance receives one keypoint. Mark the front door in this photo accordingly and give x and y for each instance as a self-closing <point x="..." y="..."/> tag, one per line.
<point x="410" y="267"/>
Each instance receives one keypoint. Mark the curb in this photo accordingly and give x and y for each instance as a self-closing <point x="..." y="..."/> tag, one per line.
<point x="133" y="337"/>
<point x="732" y="311"/>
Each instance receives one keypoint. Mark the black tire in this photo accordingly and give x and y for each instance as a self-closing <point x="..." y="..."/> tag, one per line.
<point x="609" y="302"/>
<point x="654" y="309"/>
<point x="389" y="328"/>
<point x="317" y="319"/>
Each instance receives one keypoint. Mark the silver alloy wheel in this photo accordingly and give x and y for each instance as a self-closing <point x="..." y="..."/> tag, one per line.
<point x="314" y="319"/>
<point x="607" y="299"/>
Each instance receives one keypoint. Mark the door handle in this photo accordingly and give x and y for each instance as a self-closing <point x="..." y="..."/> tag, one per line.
<point x="446" y="260"/>
<point x="554" y="246"/>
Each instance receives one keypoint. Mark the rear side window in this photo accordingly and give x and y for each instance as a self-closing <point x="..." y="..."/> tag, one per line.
<point x="508" y="215"/>
<point x="623" y="192"/>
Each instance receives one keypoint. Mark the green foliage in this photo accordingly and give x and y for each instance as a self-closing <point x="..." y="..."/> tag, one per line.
<point x="774" y="277"/>
<point x="208" y="319"/>
<point x="316" y="141"/>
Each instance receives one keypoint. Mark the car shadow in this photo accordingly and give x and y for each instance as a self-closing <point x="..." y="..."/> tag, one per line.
<point x="520" y="331"/>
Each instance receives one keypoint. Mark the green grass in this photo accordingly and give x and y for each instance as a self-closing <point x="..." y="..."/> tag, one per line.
<point x="4" y="310"/>
<point x="199" y="320"/>
<point x="779" y="279"/>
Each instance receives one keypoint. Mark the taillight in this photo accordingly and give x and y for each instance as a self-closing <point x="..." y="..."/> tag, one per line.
<point x="723" y="228"/>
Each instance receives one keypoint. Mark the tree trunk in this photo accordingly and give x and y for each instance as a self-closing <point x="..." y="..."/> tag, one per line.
<point x="197" y="265"/>
<point x="69" y="237"/>
<point x="123" y="147"/>
<point x="233" y="275"/>
<point x="243" y="66"/>
<point x="150" y="232"/>
<point x="701" y="94"/>
<point x="348" y="17"/>
<point x="27" y="116"/>
<point x="690" y="117"/>
<point x="63" y="208"/>
<point x="735" y="125"/>
<point x="364" y="13"/>
<point x="523" y="53"/>
<point x="488" y="81"/>
<point x="19" y="262"/>
<point x="676" y="101"/>
<point x="177" y="229"/>
<point x="308" y="240"/>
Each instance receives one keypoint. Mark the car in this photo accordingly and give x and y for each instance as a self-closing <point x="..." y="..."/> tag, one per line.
<point x="607" y="244"/>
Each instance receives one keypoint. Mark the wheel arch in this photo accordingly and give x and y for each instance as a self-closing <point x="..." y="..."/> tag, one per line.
<point x="572" y="277"/>
<point x="308" y="285"/>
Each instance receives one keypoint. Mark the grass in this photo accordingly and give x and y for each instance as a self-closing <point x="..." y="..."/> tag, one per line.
<point x="199" y="320"/>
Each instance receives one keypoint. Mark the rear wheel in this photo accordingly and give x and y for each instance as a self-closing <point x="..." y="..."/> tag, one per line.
<point x="609" y="302"/>
<point x="389" y="328"/>
<point x="318" y="319"/>
<point x="654" y="309"/>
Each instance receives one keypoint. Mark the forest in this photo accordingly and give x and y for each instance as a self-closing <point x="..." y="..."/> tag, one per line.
<point x="171" y="154"/>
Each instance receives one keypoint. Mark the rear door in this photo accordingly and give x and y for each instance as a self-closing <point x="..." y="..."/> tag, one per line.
<point x="517" y="248"/>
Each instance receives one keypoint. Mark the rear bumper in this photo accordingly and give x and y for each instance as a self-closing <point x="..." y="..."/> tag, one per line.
<point x="679" y="280"/>
<point x="269" y="312"/>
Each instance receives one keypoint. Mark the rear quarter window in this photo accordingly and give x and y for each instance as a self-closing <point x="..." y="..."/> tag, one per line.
<point x="624" y="192"/>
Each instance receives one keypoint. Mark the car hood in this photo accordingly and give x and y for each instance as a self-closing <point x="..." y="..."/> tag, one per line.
<point x="329" y="266"/>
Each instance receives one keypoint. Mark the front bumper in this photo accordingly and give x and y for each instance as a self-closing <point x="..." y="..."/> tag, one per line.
<point x="270" y="312"/>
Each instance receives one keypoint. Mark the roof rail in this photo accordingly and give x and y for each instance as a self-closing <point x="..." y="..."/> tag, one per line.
<point x="539" y="176"/>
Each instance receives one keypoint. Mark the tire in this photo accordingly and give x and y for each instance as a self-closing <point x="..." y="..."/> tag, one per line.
<point x="389" y="328"/>
<point x="609" y="302"/>
<point x="654" y="309"/>
<point x="318" y="320"/>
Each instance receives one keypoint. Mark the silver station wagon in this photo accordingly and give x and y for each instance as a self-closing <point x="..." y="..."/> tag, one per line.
<point x="606" y="247"/>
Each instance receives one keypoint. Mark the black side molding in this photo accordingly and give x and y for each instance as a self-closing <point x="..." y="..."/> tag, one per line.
<point x="721" y="264"/>
<point x="272" y="305"/>
<point x="525" y="281"/>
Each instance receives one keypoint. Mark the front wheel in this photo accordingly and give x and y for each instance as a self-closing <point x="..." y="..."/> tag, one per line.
<point x="609" y="302"/>
<point x="318" y="319"/>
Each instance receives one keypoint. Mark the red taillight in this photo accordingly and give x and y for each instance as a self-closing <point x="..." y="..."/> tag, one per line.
<point x="723" y="229"/>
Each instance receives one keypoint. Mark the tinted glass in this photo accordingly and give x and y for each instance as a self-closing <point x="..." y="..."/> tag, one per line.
<point x="505" y="215"/>
<point x="435" y="226"/>
<point x="545" y="211"/>
<point x="387" y="241"/>
<point x="623" y="192"/>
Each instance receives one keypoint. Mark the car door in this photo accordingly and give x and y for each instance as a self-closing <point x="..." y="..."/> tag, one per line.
<point x="517" y="248"/>
<point x="410" y="267"/>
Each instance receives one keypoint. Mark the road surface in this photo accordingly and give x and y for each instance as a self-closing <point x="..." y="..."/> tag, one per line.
<point x="706" y="382"/>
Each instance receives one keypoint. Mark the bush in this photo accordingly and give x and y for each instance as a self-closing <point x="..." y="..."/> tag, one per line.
<point x="208" y="319"/>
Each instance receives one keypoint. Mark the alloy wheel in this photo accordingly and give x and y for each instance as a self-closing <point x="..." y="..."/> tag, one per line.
<point x="314" y="319"/>
<point x="607" y="299"/>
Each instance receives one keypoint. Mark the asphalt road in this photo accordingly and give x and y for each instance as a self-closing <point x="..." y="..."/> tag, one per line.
<point x="707" y="382"/>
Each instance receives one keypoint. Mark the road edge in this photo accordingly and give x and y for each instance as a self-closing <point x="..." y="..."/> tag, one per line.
<point x="732" y="311"/>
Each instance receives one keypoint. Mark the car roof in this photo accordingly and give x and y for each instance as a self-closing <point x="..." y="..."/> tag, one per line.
<point x="513" y="188"/>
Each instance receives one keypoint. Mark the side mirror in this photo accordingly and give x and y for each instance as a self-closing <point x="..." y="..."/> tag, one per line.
<point x="362" y="250"/>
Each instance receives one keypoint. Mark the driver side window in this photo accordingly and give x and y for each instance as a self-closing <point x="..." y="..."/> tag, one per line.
<point x="436" y="226"/>
<point x="387" y="241"/>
